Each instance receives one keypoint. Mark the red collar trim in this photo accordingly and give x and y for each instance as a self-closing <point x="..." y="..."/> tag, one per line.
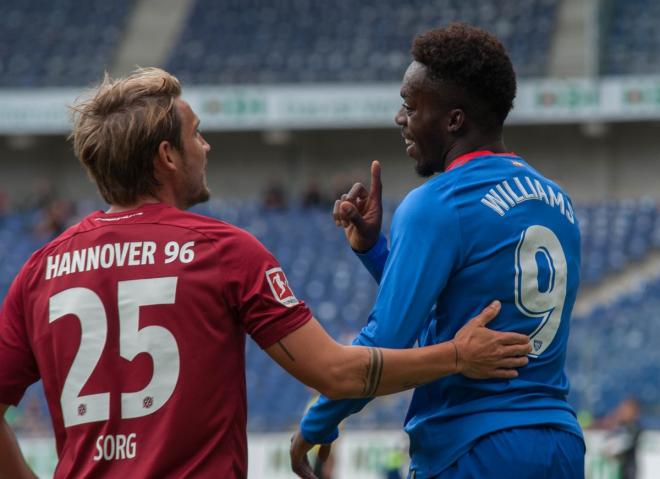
<point x="461" y="160"/>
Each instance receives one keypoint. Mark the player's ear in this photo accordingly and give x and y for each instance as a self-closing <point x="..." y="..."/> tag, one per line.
<point x="455" y="120"/>
<point x="165" y="157"/>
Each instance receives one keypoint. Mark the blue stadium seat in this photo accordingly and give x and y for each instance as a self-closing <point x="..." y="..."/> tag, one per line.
<point x="58" y="42"/>
<point x="617" y="341"/>
<point x="285" y="41"/>
<point x="629" y="40"/>
<point x="616" y="233"/>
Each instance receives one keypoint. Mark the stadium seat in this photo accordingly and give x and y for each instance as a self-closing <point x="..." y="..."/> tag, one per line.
<point x="66" y="43"/>
<point x="629" y="42"/>
<point x="292" y="41"/>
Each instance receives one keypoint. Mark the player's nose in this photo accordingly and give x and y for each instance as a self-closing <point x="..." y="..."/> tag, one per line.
<point x="400" y="117"/>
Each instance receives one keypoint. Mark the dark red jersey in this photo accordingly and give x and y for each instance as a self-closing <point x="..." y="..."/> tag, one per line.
<point x="136" y="323"/>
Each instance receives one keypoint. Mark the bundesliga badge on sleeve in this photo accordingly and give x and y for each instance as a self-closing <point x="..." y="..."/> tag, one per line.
<point x="279" y="285"/>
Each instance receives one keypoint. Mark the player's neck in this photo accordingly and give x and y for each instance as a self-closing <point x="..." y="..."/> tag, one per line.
<point x="463" y="148"/>
<point x="141" y="202"/>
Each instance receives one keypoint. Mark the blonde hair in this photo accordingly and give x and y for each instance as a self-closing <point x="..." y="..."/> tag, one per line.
<point x="117" y="132"/>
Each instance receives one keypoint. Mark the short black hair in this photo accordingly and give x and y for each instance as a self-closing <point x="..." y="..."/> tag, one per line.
<point x="471" y="59"/>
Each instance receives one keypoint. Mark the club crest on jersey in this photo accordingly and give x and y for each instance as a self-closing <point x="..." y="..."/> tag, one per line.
<point x="279" y="285"/>
<point x="537" y="344"/>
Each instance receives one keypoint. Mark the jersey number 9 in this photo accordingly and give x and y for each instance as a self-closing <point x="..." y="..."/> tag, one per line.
<point x="547" y="305"/>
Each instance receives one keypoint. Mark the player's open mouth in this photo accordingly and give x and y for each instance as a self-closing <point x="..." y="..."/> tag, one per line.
<point x="410" y="144"/>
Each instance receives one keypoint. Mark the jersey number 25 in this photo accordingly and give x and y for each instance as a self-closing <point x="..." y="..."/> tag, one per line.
<point x="156" y="341"/>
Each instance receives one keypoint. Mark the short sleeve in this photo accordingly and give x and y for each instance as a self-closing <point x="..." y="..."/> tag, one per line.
<point x="260" y="293"/>
<point x="18" y="367"/>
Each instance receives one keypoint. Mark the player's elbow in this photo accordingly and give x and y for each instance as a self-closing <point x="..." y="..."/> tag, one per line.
<point x="335" y="391"/>
<point x="332" y="392"/>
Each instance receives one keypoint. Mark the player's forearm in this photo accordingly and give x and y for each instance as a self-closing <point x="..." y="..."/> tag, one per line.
<point x="367" y="372"/>
<point x="341" y="372"/>
<point x="12" y="464"/>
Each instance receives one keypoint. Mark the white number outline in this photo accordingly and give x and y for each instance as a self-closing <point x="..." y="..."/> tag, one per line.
<point x="157" y="341"/>
<point x="530" y="300"/>
<point x="89" y="310"/>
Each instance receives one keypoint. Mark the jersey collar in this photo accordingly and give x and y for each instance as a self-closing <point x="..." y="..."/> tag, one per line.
<point x="463" y="159"/>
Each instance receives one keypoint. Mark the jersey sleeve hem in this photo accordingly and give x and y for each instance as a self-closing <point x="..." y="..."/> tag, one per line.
<point x="268" y="336"/>
<point x="318" y="439"/>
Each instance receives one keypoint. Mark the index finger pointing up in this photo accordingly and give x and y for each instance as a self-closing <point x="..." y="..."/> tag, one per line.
<point x="376" y="185"/>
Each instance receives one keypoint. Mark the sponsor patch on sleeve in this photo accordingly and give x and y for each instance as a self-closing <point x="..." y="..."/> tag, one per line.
<point x="279" y="285"/>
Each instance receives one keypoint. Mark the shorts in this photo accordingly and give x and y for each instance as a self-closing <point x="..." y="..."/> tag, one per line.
<point x="521" y="453"/>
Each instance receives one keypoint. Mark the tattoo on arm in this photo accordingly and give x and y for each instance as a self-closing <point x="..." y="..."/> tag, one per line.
<point x="373" y="372"/>
<point x="286" y="351"/>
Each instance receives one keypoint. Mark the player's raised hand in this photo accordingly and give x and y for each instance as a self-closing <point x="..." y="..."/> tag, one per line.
<point x="298" y="453"/>
<point x="360" y="212"/>
<point x="483" y="353"/>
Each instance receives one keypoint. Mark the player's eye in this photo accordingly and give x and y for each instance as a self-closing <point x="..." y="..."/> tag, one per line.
<point x="407" y="109"/>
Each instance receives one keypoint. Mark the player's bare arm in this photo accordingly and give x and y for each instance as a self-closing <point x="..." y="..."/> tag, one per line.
<point x="360" y="212"/>
<point x="12" y="464"/>
<point x="475" y="351"/>
<point x="372" y="373"/>
<point x="338" y="371"/>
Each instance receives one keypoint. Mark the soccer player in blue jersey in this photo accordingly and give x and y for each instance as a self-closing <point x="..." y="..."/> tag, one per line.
<point x="485" y="224"/>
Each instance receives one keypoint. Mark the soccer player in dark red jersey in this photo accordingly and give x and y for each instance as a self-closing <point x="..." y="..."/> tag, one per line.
<point x="135" y="318"/>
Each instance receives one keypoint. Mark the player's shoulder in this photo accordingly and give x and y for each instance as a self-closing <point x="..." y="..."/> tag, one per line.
<point x="437" y="190"/>
<point x="519" y="167"/>
<point x="428" y="204"/>
<point x="422" y="195"/>
<point x="227" y="236"/>
<point x="555" y="191"/>
<point x="509" y="169"/>
<point x="200" y="223"/>
<point x="482" y="170"/>
<point x="215" y="227"/>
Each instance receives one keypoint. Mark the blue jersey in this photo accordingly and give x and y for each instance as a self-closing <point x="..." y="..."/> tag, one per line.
<point x="491" y="228"/>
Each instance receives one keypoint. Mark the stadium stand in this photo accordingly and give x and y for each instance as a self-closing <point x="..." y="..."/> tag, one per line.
<point x="600" y="381"/>
<point x="13" y="253"/>
<point x="629" y="44"/>
<point x="67" y="43"/>
<point x="323" y="271"/>
<point x="237" y="41"/>
<point x="615" y="233"/>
